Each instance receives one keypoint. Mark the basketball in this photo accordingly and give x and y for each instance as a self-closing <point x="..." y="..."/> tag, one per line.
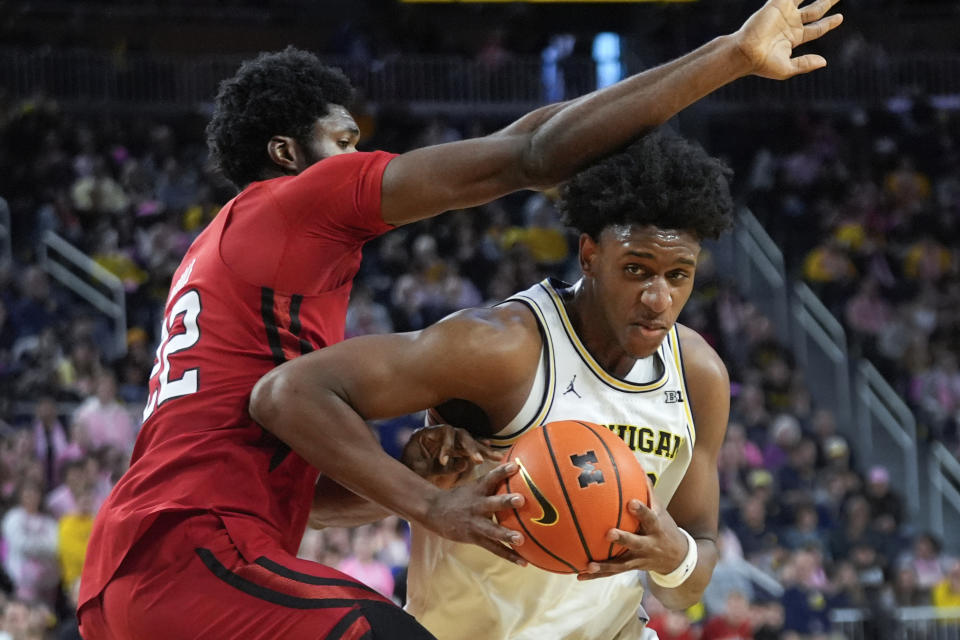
<point x="576" y="478"/>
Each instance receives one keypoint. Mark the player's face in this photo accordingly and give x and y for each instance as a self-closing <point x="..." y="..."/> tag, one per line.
<point x="642" y="276"/>
<point x="333" y="134"/>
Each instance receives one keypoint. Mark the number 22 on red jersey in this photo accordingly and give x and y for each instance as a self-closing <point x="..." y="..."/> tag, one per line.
<point x="180" y="332"/>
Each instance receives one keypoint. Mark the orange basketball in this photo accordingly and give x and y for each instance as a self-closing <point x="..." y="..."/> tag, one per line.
<point x="576" y="478"/>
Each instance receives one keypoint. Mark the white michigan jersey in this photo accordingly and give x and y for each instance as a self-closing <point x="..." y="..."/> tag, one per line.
<point x="460" y="591"/>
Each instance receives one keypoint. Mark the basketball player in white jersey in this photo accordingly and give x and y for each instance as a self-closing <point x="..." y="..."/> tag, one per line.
<point x="606" y="349"/>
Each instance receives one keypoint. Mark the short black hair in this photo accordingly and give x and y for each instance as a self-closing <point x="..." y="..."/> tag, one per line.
<point x="661" y="180"/>
<point x="280" y="93"/>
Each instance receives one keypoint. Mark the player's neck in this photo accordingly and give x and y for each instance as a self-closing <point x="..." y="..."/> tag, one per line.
<point x="594" y="331"/>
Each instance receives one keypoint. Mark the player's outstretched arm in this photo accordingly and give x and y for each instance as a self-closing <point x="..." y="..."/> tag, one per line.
<point x="659" y="545"/>
<point x="550" y="144"/>
<point x="318" y="405"/>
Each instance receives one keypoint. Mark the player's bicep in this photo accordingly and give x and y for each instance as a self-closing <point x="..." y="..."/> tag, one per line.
<point x="428" y="181"/>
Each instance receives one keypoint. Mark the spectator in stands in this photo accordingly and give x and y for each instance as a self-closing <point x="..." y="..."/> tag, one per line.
<point x="36" y="309"/>
<point x="672" y="625"/>
<point x="946" y="593"/>
<point x="785" y="434"/>
<point x="101" y="421"/>
<point x="69" y="628"/>
<point x="830" y="272"/>
<point x="836" y="454"/>
<point x="805" y="532"/>
<point x="365" y="315"/>
<point x="73" y="533"/>
<point x="542" y="232"/>
<point x="869" y="563"/>
<point x="63" y="498"/>
<point x="904" y="591"/>
<point x="30" y="536"/>
<point x="395" y="543"/>
<point x="750" y="409"/>
<point x="797" y="479"/>
<point x="738" y="456"/>
<point x="868" y="312"/>
<point x="363" y="564"/>
<point x="886" y="505"/>
<point x="22" y="621"/>
<point x="77" y="372"/>
<point x="96" y="193"/>
<point x="733" y="623"/>
<point x="806" y="610"/>
<point x="927" y="560"/>
<point x="50" y="443"/>
<point x="935" y="391"/>
<point x="845" y="590"/>
<point x="856" y="528"/>
<point x="750" y="524"/>
<point x="767" y="619"/>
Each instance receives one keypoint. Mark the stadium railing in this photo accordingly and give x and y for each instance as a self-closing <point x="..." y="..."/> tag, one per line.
<point x="820" y="346"/>
<point x="899" y="623"/>
<point x="943" y="471"/>
<point x="80" y="78"/>
<point x="93" y="283"/>
<point x="869" y="412"/>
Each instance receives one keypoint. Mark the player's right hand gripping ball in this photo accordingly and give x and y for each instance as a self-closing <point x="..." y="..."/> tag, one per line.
<point x="576" y="478"/>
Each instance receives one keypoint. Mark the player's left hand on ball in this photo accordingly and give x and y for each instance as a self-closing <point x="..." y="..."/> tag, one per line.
<point x="658" y="545"/>
<point x="445" y="455"/>
<point x="465" y="514"/>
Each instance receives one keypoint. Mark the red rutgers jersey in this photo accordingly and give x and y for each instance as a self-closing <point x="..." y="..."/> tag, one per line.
<point x="267" y="281"/>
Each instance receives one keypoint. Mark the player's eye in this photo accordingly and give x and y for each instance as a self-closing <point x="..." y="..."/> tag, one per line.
<point x="634" y="269"/>
<point x="343" y="144"/>
<point x="679" y="275"/>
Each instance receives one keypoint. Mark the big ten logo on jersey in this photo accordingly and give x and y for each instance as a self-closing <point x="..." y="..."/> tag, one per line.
<point x="180" y="331"/>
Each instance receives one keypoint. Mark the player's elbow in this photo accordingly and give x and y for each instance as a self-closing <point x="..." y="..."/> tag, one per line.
<point x="272" y="396"/>
<point x="536" y="167"/>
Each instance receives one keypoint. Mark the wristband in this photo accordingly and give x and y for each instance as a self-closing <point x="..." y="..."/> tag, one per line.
<point x="679" y="575"/>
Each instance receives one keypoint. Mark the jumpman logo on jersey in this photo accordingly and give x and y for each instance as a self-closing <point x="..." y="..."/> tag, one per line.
<point x="570" y="388"/>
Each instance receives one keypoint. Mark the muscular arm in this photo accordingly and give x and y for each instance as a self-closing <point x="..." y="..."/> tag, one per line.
<point x="695" y="505"/>
<point x="550" y="144"/>
<point x="318" y="403"/>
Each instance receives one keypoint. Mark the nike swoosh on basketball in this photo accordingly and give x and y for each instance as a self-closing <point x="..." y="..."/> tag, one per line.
<point x="549" y="515"/>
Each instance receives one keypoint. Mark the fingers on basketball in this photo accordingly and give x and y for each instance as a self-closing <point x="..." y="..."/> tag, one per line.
<point x="576" y="479"/>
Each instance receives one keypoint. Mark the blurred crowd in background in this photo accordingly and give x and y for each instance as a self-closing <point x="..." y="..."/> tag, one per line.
<point x="864" y="205"/>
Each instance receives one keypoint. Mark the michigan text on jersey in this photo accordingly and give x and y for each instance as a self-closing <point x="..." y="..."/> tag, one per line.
<point x="649" y="440"/>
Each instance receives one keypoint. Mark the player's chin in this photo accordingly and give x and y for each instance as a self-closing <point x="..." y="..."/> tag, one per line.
<point x="642" y="343"/>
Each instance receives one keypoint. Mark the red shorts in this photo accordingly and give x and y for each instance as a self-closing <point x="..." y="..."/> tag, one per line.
<point x="186" y="579"/>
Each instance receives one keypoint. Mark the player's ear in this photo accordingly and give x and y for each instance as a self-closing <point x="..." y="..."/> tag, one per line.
<point x="285" y="153"/>
<point x="588" y="252"/>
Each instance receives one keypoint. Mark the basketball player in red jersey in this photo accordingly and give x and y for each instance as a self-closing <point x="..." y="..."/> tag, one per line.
<point x="198" y="539"/>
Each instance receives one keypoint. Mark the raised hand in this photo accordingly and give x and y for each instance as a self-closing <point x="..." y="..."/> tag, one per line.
<point x="465" y="514"/>
<point x="768" y="37"/>
<point x="445" y="455"/>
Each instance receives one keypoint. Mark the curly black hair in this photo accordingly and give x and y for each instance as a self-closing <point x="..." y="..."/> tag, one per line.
<point x="280" y="93"/>
<point x="661" y="180"/>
